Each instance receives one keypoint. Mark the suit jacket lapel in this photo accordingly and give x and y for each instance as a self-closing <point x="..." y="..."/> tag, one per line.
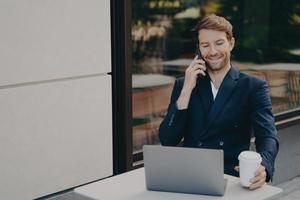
<point x="225" y="91"/>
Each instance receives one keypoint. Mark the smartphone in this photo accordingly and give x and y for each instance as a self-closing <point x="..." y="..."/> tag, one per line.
<point x="198" y="53"/>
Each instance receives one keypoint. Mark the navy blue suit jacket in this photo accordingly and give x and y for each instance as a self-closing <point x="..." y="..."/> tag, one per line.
<point x="242" y="107"/>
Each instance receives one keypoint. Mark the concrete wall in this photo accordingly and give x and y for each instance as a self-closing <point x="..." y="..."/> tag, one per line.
<point x="55" y="95"/>
<point x="288" y="159"/>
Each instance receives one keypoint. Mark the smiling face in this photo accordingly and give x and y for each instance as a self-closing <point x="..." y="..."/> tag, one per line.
<point x="215" y="48"/>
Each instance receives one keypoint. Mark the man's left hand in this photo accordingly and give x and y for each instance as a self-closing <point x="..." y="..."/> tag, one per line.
<point x="259" y="179"/>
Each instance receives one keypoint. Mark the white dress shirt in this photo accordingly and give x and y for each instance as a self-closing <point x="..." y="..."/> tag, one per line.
<point x="214" y="90"/>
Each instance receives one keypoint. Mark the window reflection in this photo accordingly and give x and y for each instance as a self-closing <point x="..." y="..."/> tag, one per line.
<point x="268" y="46"/>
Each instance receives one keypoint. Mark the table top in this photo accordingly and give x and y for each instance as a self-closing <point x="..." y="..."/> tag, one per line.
<point x="131" y="185"/>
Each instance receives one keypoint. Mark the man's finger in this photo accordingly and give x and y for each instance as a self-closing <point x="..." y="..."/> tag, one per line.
<point x="198" y="66"/>
<point x="257" y="179"/>
<point x="199" y="71"/>
<point x="195" y="61"/>
<point x="261" y="176"/>
<point x="257" y="185"/>
<point x="237" y="168"/>
<point x="260" y="170"/>
<point x="199" y="61"/>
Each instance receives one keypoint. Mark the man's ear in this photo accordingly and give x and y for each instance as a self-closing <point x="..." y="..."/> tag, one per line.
<point x="232" y="42"/>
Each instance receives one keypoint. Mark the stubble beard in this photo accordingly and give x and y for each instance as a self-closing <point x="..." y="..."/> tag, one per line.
<point x="218" y="66"/>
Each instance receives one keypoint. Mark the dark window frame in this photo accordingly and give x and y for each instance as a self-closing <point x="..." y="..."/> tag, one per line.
<point x="121" y="85"/>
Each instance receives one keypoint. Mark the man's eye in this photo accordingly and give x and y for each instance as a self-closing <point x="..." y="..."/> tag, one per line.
<point x="204" y="46"/>
<point x="220" y="43"/>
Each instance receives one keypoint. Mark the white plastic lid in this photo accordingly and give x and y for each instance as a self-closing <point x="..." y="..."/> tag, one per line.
<point x="250" y="156"/>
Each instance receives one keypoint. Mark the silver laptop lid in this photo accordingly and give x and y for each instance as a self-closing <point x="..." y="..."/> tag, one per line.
<point x="185" y="170"/>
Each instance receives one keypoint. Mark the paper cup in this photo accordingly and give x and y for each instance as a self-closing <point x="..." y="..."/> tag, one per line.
<point x="249" y="162"/>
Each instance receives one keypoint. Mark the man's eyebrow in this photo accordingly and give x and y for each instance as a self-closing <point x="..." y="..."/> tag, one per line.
<point x="203" y="43"/>
<point x="220" y="40"/>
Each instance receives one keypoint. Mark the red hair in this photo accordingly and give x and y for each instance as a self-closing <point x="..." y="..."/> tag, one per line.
<point x="217" y="23"/>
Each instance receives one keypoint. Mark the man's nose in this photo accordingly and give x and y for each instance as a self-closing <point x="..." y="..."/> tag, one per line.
<point x="212" y="51"/>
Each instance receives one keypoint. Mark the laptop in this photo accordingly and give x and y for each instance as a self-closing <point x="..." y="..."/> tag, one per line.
<point x="184" y="170"/>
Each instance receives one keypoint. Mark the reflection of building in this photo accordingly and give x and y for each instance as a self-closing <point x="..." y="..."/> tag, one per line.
<point x="283" y="80"/>
<point x="277" y="81"/>
<point x="294" y="88"/>
<point x="151" y="96"/>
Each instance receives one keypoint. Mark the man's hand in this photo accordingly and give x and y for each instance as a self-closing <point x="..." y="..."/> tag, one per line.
<point x="259" y="179"/>
<point x="196" y="67"/>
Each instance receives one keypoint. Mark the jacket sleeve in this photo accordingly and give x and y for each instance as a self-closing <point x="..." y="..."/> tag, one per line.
<point x="172" y="127"/>
<point x="263" y="125"/>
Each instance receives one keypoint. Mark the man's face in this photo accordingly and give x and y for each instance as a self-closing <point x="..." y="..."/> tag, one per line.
<point x="215" y="48"/>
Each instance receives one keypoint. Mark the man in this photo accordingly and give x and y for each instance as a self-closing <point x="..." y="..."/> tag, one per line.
<point x="216" y="106"/>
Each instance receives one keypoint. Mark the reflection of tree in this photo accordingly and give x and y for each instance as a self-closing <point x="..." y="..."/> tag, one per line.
<point x="153" y="28"/>
<point x="265" y="30"/>
<point x="233" y="11"/>
<point x="284" y="33"/>
<point x="181" y="39"/>
<point x="145" y="9"/>
<point x="148" y="37"/>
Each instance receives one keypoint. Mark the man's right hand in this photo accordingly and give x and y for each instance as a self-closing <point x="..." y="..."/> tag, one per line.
<point x="196" y="67"/>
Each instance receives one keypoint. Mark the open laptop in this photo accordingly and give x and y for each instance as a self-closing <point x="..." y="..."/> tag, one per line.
<point x="184" y="170"/>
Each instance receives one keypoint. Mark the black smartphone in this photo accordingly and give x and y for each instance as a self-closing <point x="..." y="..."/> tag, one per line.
<point x="198" y="53"/>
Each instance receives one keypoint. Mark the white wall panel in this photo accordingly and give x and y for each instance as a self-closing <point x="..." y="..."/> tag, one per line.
<point x="54" y="136"/>
<point x="50" y="39"/>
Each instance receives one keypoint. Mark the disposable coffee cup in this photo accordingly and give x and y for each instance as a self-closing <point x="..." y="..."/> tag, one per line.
<point x="249" y="162"/>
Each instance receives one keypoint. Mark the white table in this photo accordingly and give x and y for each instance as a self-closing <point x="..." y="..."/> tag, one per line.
<point x="131" y="186"/>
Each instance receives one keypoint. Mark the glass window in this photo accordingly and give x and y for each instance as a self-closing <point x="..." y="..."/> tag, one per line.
<point x="267" y="46"/>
